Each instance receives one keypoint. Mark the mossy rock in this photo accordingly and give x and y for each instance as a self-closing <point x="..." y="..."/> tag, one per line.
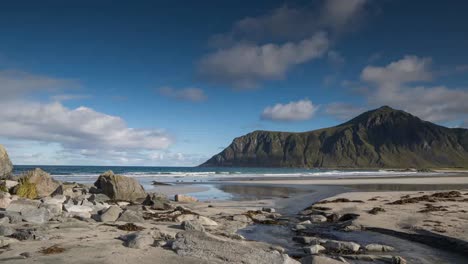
<point x="26" y="189"/>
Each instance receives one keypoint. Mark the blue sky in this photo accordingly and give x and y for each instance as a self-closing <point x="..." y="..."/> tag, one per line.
<point x="173" y="82"/>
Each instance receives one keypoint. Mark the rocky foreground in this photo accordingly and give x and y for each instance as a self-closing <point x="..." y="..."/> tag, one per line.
<point x="115" y="221"/>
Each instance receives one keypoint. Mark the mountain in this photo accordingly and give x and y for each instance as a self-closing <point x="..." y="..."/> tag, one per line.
<point x="381" y="138"/>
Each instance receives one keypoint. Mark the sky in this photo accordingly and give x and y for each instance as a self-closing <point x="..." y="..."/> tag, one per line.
<point x="171" y="83"/>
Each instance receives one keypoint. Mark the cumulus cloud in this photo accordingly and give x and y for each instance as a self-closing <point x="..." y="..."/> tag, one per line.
<point x="185" y="94"/>
<point x="293" y="111"/>
<point x="81" y="128"/>
<point x="266" y="47"/>
<point x="343" y="111"/>
<point x="244" y="65"/>
<point x="14" y="84"/>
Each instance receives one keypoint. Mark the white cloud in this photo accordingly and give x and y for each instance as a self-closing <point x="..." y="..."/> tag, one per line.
<point x="408" y="69"/>
<point x="14" y="84"/>
<point x="79" y="129"/>
<point x="293" y="111"/>
<point x="343" y="111"/>
<point x="186" y="94"/>
<point x="245" y="65"/>
<point x="393" y="85"/>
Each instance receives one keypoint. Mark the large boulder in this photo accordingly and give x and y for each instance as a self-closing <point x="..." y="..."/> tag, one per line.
<point x="119" y="187"/>
<point x="6" y="167"/>
<point x="110" y="214"/>
<point x="43" y="183"/>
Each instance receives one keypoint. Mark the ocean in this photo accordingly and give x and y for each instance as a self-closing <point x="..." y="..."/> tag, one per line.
<point x="146" y="175"/>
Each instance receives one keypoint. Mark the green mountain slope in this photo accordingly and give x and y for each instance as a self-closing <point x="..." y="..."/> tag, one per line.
<point x="382" y="138"/>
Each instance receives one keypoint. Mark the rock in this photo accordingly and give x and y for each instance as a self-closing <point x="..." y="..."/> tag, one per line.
<point x="137" y="240"/>
<point x="157" y="202"/>
<point x="268" y="210"/>
<point x="6" y="230"/>
<point x="300" y="227"/>
<point x="378" y="258"/>
<point x="185" y="217"/>
<point x="23" y="234"/>
<point x="119" y="187"/>
<point x="22" y="205"/>
<point x="110" y="214"/>
<point x="308" y="222"/>
<point x="44" y="183"/>
<point x="192" y="226"/>
<point x="206" y="221"/>
<point x="54" y="209"/>
<point x="319" y="260"/>
<point x="13" y="217"/>
<point x="333" y="217"/>
<point x="57" y="199"/>
<point x="241" y="218"/>
<point x="37" y="216"/>
<point x="318" y="218"/>
<point x="66" y="190"/>
<point x="131" y="216"/>
<point x="6" y="241"/>
<point x="8" y="184"/>
<point x="315" y="249"/>
<point x="378" y="248"/>
<point x="78" y="210"/>
<point x="348" y="217"/>
<point x="307" y="240"/>
<point x="4" y="220"/>
<point x="6" y="167"/>
<point x="214" y="250"/>
<point x="341" y="246"/>
<point x="185" y="198"/>
<point x="99" y="197"/>
<point x="5" y="200"/>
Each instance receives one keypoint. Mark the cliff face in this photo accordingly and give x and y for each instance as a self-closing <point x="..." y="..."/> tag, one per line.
<point x="5" y="164"/>
<point x="382" y="138"/>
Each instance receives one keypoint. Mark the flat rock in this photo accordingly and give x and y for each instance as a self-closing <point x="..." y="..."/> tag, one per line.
<point x="23" y="204"/>
<point x="6" y="241"/>
<point x="138" y="240"/>
<point x="378" y="248"/>
<point x="37" y="216"/>
<point x="8" y="183"/>
<point x="341" y="246"/>
<point x="5" y="200"/>
<point x="78" y="210"/>
<point x="212" y="249"/>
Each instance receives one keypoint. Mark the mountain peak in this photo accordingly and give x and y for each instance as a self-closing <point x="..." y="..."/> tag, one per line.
<point x="384" y="114"/>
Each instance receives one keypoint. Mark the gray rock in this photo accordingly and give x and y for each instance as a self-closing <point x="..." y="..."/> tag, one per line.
<point x="319" y="260"/>
<point x="378" y="248"/>
<point x="119" y="187"/>
<point x="54" y="209"/>
<point x="99" y="197"/>
<point x="4" y="220"/>
<point x="318" y="218"/>
<point x="205" y="221"/>
<point x="9" y="184"/>
<point x="131" y="217"/>
<point x="13" y="217"/>
<point x="213" y="250"/>
<point x="110" y="214"/>
<point x="192" y="226"/>
<point x="37" y="216"/>
<point x="78" y="210"/>
<point x="268" y="210"/>
<point x="6" y="241"/>
<point x="6" y="230"/>
<point x="22" y="205"/>
<point x="307" y="240"/>
<point x="138" y="240"/>
<point x="315" y="249"/>
<point x="23" y="234"/>
<point x="241" y="218"/>
<point x="6" y="167"/>
<point x="378" y="258"/>
<point x="157" y="202"/>
<point x="341" y="246"/>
